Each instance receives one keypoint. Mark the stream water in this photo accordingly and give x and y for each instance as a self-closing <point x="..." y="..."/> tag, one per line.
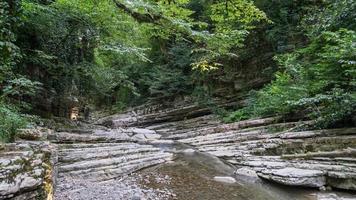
<point x="191" y="177"/>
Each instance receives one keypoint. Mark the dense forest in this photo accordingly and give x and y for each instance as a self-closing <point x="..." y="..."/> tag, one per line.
<point x="289" y="58"/>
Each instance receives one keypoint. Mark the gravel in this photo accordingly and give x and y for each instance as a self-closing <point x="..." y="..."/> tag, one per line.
<point x="125" y="188"/>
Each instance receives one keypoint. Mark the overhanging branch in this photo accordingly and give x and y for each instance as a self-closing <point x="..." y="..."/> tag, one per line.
<point x="139" y="17"/>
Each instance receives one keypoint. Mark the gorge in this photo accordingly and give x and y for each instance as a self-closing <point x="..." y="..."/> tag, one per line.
<point x="177" y="99"/>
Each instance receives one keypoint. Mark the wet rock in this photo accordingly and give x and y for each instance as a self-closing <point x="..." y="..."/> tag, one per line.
<point x="295" y="176"/>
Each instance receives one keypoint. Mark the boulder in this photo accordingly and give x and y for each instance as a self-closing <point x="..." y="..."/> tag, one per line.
<point x="295" y="177"/>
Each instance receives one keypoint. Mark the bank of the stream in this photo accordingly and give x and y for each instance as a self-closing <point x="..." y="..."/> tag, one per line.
<point x="180" y="153"/>
<point x="190" y="176"/>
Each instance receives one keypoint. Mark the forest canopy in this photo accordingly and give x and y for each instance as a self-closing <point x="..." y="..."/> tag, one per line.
<point x="121" y="53"/>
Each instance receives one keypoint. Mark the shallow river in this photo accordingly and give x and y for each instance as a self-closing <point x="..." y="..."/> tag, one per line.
<point x="191" y="177"/>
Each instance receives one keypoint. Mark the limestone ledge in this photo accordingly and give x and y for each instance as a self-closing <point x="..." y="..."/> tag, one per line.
<point x="27" y="170"/>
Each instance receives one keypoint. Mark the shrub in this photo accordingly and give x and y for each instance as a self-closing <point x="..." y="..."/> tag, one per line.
<point x="238" y="115"/>
<point x="10" y="122"/>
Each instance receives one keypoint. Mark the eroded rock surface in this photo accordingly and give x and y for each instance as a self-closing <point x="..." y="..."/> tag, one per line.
<point x="27" y="170"/>
<point x="295" y="176"/>
<point x="56" y="161"/>
<point x="98" y="158"/>
<point x="93" y="160"/>
<point x="274" y="150"/>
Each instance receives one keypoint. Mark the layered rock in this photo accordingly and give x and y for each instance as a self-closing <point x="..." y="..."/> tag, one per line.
<point x="290" y="158"/>
<point x="150" y="114"/>
<point x="270" y="148"/>
<point x="105" y="154"/>
<point x="105" y="161"/>
<point x="27" y="170"/>
<point x="267" y="148"/>
<point x="295" y="176"/>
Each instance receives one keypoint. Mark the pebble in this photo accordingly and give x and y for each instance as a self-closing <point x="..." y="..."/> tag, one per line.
<point x="127" y="187"/>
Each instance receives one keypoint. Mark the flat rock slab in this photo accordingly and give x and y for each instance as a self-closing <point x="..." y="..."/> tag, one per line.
<point x="161" y="142"/>
<point x="141" y="131"/>
<point x="295" y="177"/>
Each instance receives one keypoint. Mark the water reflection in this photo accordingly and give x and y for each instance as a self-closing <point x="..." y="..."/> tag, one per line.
<point x="192" y="178"/>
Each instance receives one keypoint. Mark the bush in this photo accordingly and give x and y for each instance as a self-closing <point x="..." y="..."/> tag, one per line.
<point x="238" y="115"/>
<point x="10" y="122"/>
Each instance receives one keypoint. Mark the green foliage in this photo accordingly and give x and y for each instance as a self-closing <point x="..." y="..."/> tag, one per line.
<point x="275" y="97"/>
<point x="228" y="15"/>
<point x="174" y="77"/>
<point x="220" y="27"/>
<point x="9" y="52"/>
<point x="231" y="22"/>
<point x="10" y="121"/>
<point x="238" y="115"/>
<point x="80" y="48"/>
<point x="319" y="79"/>
<point x="119" y="53"/>
<point x="331" y="16"/>
<point x="20" y="87"/>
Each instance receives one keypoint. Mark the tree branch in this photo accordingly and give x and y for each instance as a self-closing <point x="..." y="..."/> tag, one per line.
<point x="139" y="17"/>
